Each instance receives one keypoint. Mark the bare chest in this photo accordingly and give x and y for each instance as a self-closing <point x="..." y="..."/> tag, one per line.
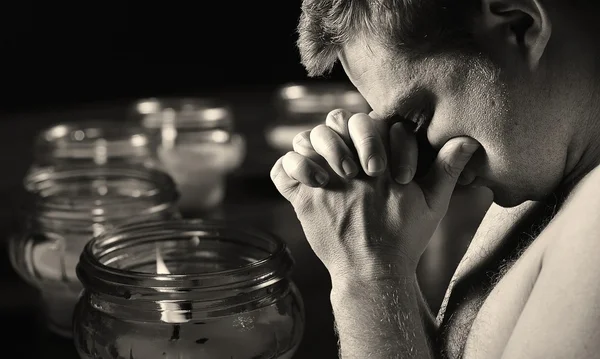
<point x="487" y="298"/>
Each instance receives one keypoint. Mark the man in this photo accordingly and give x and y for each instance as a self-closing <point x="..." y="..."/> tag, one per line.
<point x="506" y="92"/>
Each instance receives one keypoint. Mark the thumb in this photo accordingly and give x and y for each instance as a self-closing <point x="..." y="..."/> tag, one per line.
<point x="446" y="169"/>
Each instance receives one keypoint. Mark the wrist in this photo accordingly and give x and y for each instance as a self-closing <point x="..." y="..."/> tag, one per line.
<point x="366" y="272"/>
<point x="366" y="283"/>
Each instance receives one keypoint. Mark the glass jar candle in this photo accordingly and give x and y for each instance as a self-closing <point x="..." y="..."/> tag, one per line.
<point x="193" y="140"/>
<point x="68" y="207"/>
<point x="89" y="143"/>
<point x="302" y="106"/>
<point x="187" y="289"/>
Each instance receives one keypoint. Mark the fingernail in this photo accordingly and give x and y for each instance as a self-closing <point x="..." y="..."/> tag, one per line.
<point x="404" y="175"/>
<point x="376" y="164"/>
<point x="349" y="167"/>
<point x="321" y="178"/>
<point x="469" y="148"/>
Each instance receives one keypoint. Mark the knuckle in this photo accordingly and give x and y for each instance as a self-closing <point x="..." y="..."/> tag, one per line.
<point x="318" y="134"/>
<point x="287" y="191"/>
<point x="302" y="170"/>
<point x="302" y="139"/>
<point x="450" y="168"/>
<point x="368" y="141"/>
<point x="329" y="148"/>
<point x="288" y="155"/>
<point x="276" y="170"/>
<point x="360" y="117"/>
<point x="295" y="163"/>
<point x="318" y="130"/>
<point x="274" y="174"/>
<point x="323" y="140"/>
<point x="302" y="206"/>
<point x="289" y="158"/>
<point x="338" y="117"/>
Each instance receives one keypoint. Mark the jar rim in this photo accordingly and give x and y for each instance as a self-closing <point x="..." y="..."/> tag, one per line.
<point x="184" y="112"/>
<point x="163" y="193"/>
<point x="309" y="98"/>
<point x="90" y="138"/>
<point x="92" y="272"/>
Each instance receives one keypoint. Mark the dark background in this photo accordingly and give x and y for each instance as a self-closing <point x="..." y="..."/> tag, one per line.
<point x="56" y="55"/>
<point x="62" y="62"/>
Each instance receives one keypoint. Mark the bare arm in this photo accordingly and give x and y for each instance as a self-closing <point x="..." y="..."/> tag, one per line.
<point x="363" y="228"/>
<point x="384" y="319"/>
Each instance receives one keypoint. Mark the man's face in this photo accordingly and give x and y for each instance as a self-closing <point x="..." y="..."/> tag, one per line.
<point x="520" y="128"/>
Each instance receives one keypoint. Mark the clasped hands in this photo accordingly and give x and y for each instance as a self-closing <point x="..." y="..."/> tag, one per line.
<point x="351" y="183"/>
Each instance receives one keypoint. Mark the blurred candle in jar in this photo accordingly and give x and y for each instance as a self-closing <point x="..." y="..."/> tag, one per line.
<point x="301" y="107"/>
<point x="68" y="207"/>
<point x="193" y="140"/>
<point x="89" y="143"/>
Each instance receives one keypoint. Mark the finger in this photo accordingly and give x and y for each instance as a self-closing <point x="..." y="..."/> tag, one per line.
<point x="332" y="148"/>
<point x="337" y="120"/>
<point x="447" y="167"/>
<point x="303" y="146"/>
<point x="466" y="178"/>
<point x="368" y="143"/>
<point x="403" y="154"/>
<point x="304" y="170"/>
<point x="286" y="185"/>
<point x="382" y="125"/>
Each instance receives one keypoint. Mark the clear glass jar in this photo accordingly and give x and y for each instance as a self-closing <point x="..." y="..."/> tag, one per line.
<point x="228" y="294"/>
<point x="302" y="106"/>
<point x="89" y="143"/>
<point x="193" y="139"/>
<point x="68" y="207"/>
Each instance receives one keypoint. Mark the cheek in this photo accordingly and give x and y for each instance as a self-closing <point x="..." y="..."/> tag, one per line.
<point x="490" y="109"/>
<point x="473" y="101"/>
<point x="476" y="111"/>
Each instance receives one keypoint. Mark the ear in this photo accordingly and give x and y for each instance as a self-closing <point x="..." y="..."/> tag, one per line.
<point x="523" y="24"/>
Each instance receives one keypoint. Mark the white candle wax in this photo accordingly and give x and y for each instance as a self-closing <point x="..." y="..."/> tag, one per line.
<point x="211" y="340"/>
<point x="54" y="268"/>
<point x="52" y="262"/>
<point x="199" y="169"/>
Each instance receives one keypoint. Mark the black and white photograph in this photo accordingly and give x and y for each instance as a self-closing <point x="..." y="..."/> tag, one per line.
<point x="306" y="179"/>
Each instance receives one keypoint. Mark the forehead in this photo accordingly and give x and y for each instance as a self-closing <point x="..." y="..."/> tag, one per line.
<point x="382" y="78"/>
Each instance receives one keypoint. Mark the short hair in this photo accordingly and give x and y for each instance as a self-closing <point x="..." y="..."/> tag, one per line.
<point x="417" y="27"/>
<point x="414" y="26"/>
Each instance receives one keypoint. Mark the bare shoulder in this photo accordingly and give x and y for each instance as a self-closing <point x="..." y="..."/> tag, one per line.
<point x="578" y="222"/>
<point x="574" y="235"/>
<point x="575" y="231"/>
<point x="585" y="195"/>
<point x="563" y="304"/>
